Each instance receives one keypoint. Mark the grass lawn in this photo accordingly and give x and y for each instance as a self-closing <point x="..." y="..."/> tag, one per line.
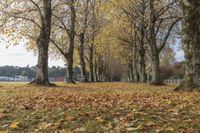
<point x="98" y="107"/>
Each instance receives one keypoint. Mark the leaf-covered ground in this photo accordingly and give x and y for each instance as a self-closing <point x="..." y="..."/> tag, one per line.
<point x="98" y="107"/>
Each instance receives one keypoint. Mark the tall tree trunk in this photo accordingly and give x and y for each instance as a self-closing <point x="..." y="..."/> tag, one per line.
<point x="101" y="69"/>
<point x="153" y="47"/>
<point x="82" y="59"/>
<point x="135" y="76"/>
<point x="70" y="69"/>
<point x="91" y="64"/>
<point x="82" y="42"/>
<point x="191" y="44"/>
<point x="96" y="70"/>
<point x="105" y="71"/>
<point x="92" y="46"/>
<point x="134" y="61"/>
<point x="42" y="66"/>
<point x="131" y="71"/>
<point x="155" y="69"/>
<point x="142" y="72"/>
<point x="142" y="65"/>
<point x="153" y="32"/>
<point x="71" y="43"/>
<point x="43" y="45"/>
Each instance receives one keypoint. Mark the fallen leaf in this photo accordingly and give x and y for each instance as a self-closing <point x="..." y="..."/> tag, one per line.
<point x="14" y="125"/>
<point x="4" y="111"/>
<point x="100" y="119"/>
<point x="2" y="115"/>
<point x="128" y="124"/>
<point x="81" y="129"/>
<point x="70" y="118"/>
<point x="64" y="131"/>
<point x="3" y="132"/>
<point x="134" y="129"/>
<point x="149" y="124"/>
<point x="169" y="129"/>
<point x="110" y="125"/>
<point x="44" y="125"/>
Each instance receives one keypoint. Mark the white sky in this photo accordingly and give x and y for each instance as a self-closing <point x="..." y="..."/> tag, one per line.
<point x="19" y="56"/>
<point x="179" y="55"/>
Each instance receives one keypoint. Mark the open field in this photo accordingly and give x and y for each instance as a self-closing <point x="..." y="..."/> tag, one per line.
<point x="98" y="107"/>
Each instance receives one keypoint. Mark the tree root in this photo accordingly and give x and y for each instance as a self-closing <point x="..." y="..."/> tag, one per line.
<point x="72" y="82"/>
<point x="48" y="84"/>
<point x="186" y="86"/>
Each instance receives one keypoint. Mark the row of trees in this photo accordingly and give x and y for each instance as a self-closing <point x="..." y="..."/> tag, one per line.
<point x="57" y="26"/>
<point x="108" y="38"/>
<point x="12" y="71"/>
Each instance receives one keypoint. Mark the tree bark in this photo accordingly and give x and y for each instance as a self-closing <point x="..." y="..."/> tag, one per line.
<point x="42" y="66"/>
<point x="91" y="64"/>
<point x="191" y="44"/>
<point x="152" y="43"/>
<point x="96" y="71"/>
<point x="156" y="69"/>
<point x="131" y="71"/>
<point x="71" y="43"/>
<point x="142" y="58"/>
<point x="142" y="51"/>
<point x="82" y="59"/>
<point x="43" y="45"/>
<point x="82" y="42"/>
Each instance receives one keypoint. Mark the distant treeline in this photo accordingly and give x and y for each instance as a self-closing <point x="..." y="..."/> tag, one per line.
<point x="12" y="71"/>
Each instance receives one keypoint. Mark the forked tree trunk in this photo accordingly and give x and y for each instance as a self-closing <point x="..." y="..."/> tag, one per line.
<point x="43" y="45"/>
<point x="191" y="44"/>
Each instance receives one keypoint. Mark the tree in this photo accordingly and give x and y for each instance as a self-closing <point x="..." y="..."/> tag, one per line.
<point x="191" y="41"/>
<point x="19" y="18"/>
<point x="65" y="26"/>
<point x="93" y="35"/>
<point x="156" y="19"/>
<point x="136" y="14"/>
<point x="96" y="23"/>
<point x="43" y="43"/>
<point x="84" y="14"/>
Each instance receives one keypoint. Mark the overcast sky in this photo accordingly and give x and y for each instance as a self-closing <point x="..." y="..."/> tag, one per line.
<point x="19" y="56"/>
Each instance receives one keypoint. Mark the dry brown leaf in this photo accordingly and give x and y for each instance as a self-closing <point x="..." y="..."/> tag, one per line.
<point x="134" y="129"/>
<point x="2" y="115"/>
<point x="100" y="119"/>
<point x="14" y="125"/>
<point x="150" y="123"/>
<point x="169" y="129"/>
<point x="81" y="129"/>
